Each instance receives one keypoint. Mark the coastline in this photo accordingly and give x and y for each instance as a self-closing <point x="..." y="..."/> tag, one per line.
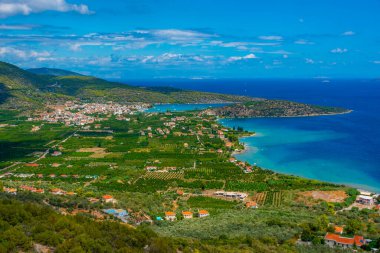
<point x="247" y="148"/>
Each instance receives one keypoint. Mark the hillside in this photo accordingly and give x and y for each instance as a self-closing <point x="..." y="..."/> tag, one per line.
<point x="274" y="108"/>
<point x="20" y="89"/>
<point x="52" y="72"/>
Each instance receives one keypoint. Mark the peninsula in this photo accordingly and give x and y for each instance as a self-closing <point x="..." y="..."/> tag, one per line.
<point x="274" y="108"/>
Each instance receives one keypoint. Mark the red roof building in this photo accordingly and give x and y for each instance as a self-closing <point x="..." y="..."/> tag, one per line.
<point x="345" y="242"/>
<point x="32" y="165"/>
<point x="203" y="213"/>
<point x="338" y="230"/>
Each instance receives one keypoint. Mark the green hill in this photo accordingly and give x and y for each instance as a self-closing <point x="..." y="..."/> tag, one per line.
<point x="20" y="89"/>
<point x="52" y="72"/>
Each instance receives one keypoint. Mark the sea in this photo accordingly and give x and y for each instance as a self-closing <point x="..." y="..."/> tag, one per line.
<point x="342" y="149"/>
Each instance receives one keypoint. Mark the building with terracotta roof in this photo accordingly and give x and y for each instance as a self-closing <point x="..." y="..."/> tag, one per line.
<point x="39" y="191"/>
<point x="57" y="191"/>
<point x="251" y="204"/>
<point x="344" y="242"/>
<point x="10" y="190"/>
<point x="229" y="144"/>
<point x="232" y="159"/>
<point x="338" y="230"/>
<point x="203" y="213"/>
<point x="32" y="165"/>
<point x="108" y="199"/>
<point x="187" y="215"/>
<point x="170" y="216"/>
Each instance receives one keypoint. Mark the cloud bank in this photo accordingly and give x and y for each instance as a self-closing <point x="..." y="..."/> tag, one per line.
<point x="25" y="7"/>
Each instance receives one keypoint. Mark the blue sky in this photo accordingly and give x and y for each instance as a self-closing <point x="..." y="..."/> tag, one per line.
<point x="140" y="39"/>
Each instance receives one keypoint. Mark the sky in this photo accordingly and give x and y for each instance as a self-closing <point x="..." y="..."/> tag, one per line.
<point x="197" y="39"/>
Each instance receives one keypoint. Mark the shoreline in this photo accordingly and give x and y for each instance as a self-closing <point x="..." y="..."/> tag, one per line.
<point x="247" y="148"/>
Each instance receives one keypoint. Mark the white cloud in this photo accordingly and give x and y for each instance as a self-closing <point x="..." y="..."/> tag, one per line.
<point x="309" y="61"/>
<point x="77" y="46"/>
<point x="25" y="7"/>
<point x="339" y="50"/>
<point x="303" y="42"/>
<point x="178" y="35"/>
<point x="239" y="58"/>
<point x="10" y="52"/>
<point x="376" y="62"/>
<point x="174" y="59"/>
<point x="15" y="27"/>
<point x="348" y="33"/>
<point x="271" y="37"/>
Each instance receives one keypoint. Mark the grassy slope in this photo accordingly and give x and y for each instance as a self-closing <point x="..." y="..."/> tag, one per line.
<point x="91" y="88"/>
<point x="20" y="89"/>
<point x="52" y="72"/>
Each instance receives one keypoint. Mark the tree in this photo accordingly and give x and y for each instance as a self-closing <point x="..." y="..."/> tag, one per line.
<point x="322" y="222"/>
<point x="353" y="226"/>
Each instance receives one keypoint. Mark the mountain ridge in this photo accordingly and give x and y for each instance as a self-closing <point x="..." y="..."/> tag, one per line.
<point x="53" y="72"/>
<point x="22" y="89"/>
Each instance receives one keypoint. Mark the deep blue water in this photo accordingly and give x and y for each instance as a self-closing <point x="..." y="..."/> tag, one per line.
<point x="181" y="107"/>
<point x="341" y="148"/>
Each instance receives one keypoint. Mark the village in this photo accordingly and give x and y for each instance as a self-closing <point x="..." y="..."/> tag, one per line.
<point x="73" y="113"/>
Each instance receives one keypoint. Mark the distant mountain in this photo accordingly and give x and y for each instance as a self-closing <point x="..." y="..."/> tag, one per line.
<point x="21" y="89"/>
<point x="52" y="72"/>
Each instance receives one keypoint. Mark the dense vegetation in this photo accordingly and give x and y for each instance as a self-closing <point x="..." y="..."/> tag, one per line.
<point x="274" y="108"/>
<point x="28" y="226"/>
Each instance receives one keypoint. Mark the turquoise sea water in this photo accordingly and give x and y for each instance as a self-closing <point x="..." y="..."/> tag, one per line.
<point x="308" y="147"/>
<point x="341" y="148"/>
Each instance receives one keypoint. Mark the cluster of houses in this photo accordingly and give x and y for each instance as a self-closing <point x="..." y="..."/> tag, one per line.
<point x="32" y="189"/>
<point x="81" y="114"/>
<point x="172" y="216"/>
<point x="55" y="191"/>
<point x="336" y="239"/>
<point x="244" y="166"/>
<point x="30" y="175"/>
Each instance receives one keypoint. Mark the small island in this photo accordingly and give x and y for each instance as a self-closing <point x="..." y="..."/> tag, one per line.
<point x="274" y="108"/>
